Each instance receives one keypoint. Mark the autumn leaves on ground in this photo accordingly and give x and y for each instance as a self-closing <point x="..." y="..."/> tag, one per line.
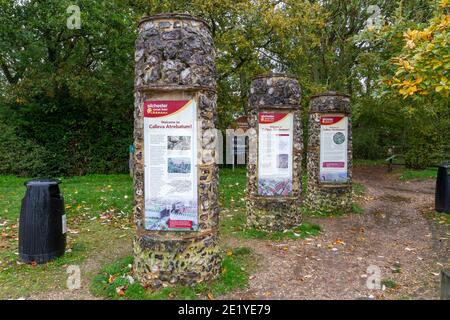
<point x="396" y="230"/>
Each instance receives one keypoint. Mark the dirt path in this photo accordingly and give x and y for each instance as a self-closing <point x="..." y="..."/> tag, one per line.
<point x="392" y="235"/>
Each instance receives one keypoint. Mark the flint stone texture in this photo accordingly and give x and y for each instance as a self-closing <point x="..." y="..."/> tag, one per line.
<point x="320" y="196"/>
<point x="277" y="93"/>
<point x="174" y="50"/>
<point x="175" y="60"/>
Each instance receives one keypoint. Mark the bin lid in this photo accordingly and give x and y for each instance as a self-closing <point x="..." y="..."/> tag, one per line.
<point x="445" y="165"/>
<point x="42" y="182"/>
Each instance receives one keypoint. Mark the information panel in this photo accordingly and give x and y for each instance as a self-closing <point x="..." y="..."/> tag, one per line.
<point x="275" y="153"/>
<point x="333" y="149"/>
<point x="170" y="148"/>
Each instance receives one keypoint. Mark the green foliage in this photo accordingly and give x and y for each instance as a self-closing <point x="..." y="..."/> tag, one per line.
<point x="424" y="64"/>
<point x="114" y="280"/>
<point x="68" y="94"/>
<point x="69" y="91"/>
<point x="409" y="174"/>
<point x="382" y="117"/>
<point x="19" y="156"/>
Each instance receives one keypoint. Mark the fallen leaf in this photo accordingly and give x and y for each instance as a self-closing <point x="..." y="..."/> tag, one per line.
<point x="339" y="241"/>
<point x="210" y="296"/>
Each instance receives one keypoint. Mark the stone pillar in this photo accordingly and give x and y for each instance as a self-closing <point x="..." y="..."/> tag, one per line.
<point x="175" y="69"/>
<point x="330" y="139"/>
<point x="274" y="175"/>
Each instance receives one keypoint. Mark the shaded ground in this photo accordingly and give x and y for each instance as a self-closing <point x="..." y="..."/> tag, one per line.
<point x="392" y="234"/>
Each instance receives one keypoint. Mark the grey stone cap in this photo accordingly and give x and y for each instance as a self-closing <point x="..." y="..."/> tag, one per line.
<point x="274" y="91"/>
<point x="330" y="102"/>
<point x="173" y="15"/>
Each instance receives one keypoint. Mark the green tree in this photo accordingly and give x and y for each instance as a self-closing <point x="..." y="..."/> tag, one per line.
<point x="64" y="86"/>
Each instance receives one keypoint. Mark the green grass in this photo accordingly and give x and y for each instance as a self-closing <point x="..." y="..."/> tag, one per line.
<point x="441" y="218"/>
<point x="356" y="208"/>
<point x="390" y="284"/>
<point x="358" y="189"/>
<point x="89" y="195"/>
<point x="233" y="224"/>
<point x="303" y="231"/>
<point x="98" y="209"/>
<point x="236" y="268"/>
<point x="410" y="174"/>
<point x="232" y="187"/>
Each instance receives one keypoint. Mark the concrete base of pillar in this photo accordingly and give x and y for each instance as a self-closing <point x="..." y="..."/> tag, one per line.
<point x="160" y="262"/>
<point x="273" y="214"/>
<point x="329" y="199"/>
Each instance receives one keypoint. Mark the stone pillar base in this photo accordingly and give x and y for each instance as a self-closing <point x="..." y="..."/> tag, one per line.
<point x="273" y="214"/>
<point x="161" y="262"/>
<point x="329" y="199"/>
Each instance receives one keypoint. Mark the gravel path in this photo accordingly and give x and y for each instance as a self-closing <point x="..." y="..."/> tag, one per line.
<point x="392" y="235"/>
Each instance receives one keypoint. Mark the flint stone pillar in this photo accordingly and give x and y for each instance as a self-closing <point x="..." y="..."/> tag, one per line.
<point x="275" y="155"/>
<point x="329" y="161"/>
<point x="175" y="70"/>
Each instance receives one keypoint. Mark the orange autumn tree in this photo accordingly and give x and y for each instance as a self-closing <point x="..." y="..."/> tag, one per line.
<point x="424" y="63"/>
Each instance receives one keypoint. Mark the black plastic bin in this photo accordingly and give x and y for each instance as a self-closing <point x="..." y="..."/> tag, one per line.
<point x="443" y="189"/>
<point x="42" y="234"/>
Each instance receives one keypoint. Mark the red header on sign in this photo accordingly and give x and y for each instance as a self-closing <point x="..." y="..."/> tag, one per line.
<point x="180" y="224"/>
<point x="162" y="108"/>
<point x="333" y="164"/>
<point x="270" y="117"/>
<point x="329" y="120"/>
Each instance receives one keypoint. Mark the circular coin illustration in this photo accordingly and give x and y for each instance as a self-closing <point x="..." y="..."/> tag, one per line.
<point x="339" y="138"/>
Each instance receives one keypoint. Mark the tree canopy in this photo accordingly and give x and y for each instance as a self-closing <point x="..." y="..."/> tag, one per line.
<point x="68" y="93"/>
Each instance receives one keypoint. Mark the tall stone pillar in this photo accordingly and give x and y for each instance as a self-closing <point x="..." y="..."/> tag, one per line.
<point x="175" y="175"/>
<point x="274" y="166"/>
<point x="329" y="153"/>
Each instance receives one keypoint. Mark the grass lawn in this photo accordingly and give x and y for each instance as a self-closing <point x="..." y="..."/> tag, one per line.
<point x="98" y="209"/>
<point x="115" y="280"/>
<point x="410" y="174"/>
<point x="99" y="213"/>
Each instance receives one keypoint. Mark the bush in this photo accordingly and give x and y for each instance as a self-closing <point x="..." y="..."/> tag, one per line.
<point x="48" y="139"/>
<point x="20" y="156"/>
